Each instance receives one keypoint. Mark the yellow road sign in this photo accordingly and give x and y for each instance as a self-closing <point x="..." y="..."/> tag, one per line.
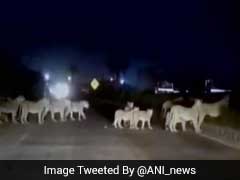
<point x="95" y="84"/>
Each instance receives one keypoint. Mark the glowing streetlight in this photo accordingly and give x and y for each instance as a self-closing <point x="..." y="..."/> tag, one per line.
<point x="111" y="79"/>
<point x="46" y="79"/>
<point x="69" y="78"/>
<point x="47" y="76"/>
<point x="60" y="90"/>
<point x="122" y="81"/>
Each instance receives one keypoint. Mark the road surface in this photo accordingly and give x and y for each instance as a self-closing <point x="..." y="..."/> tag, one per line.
<point x="96" y="139"/>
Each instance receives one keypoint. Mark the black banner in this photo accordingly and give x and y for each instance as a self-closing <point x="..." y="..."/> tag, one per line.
<point x="120" y="169"/>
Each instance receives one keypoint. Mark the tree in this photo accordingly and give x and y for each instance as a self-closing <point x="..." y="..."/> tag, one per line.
<point x="15" y="78"/>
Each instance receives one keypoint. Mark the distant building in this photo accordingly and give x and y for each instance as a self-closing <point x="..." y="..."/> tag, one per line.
<point x="165" y="87"/>
<point x="211" y="88"/>
<point x="208" y="85"/>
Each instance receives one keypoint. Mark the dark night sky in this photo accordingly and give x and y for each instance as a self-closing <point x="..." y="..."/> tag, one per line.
<point x="182" y="38"/>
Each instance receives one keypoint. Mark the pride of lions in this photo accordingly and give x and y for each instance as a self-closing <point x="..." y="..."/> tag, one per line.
<point x="20" y="108"/>
<point x="173" y="114"/>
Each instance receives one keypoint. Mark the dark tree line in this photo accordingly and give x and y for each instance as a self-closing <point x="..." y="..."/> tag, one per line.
<point x="16" y="79"/>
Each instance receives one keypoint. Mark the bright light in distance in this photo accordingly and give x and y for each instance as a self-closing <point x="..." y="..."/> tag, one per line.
<point x="167" y="90"/>
<point x="122" y="81"/>
<point x="213" y="90"/>
<point x="111" y="79"/>
<point x="69" y="78"/>
<point x="47" y="76"/>
<point x="60" y="90"/>
<point x="176" y="91"/>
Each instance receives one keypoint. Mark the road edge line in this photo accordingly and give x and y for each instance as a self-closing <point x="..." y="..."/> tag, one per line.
<point x="220" y="141"/>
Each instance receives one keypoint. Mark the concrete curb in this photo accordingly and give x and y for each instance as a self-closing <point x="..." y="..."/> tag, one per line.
<point x="224" y="135"/>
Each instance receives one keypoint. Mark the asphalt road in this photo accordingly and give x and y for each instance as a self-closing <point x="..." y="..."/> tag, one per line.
<point x="96" y="139"/>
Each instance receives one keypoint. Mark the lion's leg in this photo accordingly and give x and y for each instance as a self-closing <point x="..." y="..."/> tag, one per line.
<point x="115" y="122"/>
<point x="14" y="117"/>
<point x="22" y="117"/>
<point x="39" y="118"/>
<point x="143" y="124"/>
<point x="131" y="124"/>
<point x="52" y="114"/>
<point x="43" y="114"/>
<point x="120" y="123"/>
<point x="196" y="126"/>
<point x="62" y="116"/>
<point x="201" y="119"/>
<point x="167" y="122"/>
<point x="25" y="118"/>
<point x="176" y="120"/>
<point x="135" y="124"/>
<point x="125" y="123"/>
<point x="173" y="126"/>
<point x="79" y="116"/>
<point x="83" y="114"/>
<point x="183" y="123"/>
<point x="170" y="122"/>
<point x="170" y="125"/>
<point x="72" y="118"/>
<point x="149" y="124"/>
<point x="166" y="127"/>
